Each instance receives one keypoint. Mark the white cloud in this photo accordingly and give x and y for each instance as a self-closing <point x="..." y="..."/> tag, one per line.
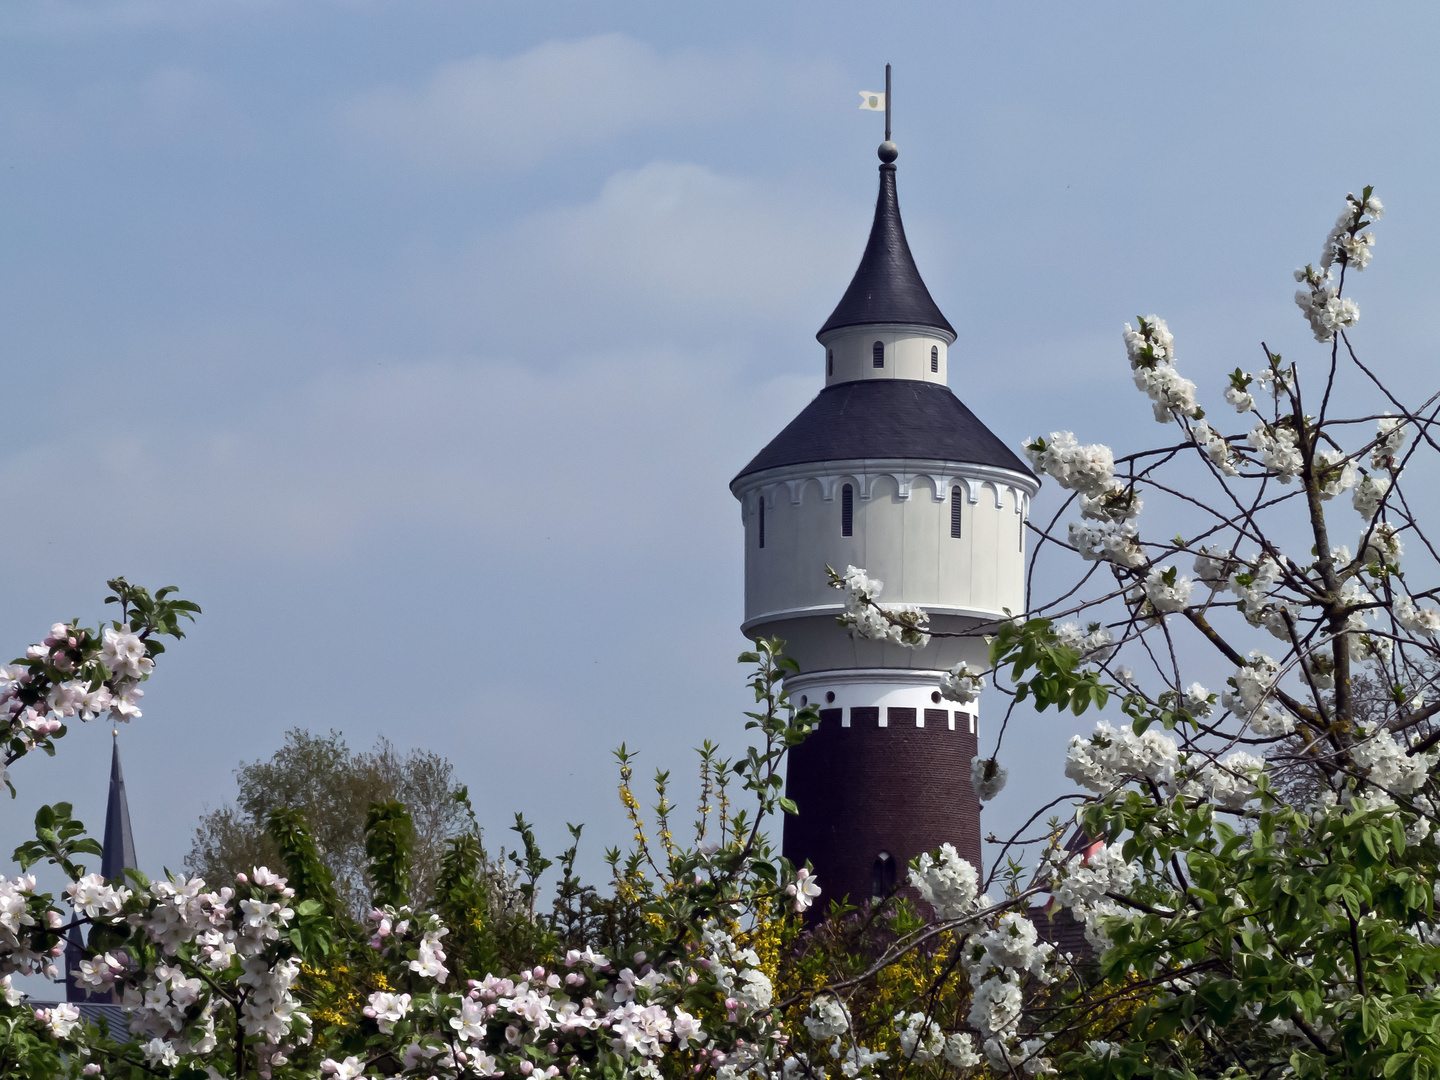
<point x="485" y="112"/>
<point x="670" y="249"/>
<point x="640" y="447"/>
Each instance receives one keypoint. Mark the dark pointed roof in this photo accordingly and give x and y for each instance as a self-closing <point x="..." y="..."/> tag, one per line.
<point x="886" y="418"/>
<point x="119" y="847"/>
<point x="887" y="287"/>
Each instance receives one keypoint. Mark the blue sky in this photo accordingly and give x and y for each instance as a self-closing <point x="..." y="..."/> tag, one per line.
<point x="418" y="342"/>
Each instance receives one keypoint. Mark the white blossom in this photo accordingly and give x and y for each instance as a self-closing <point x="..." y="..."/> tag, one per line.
<point x="1082" y="883"/>
<point x="1277" y="448"/>
<point x="804" y="889"/>
<point x="1118" y="502"/>
<point x="387" y="1009"/>
<point x="987" y="777"/>
<point x="1241" y="399"/>
<point x="961" y="684"/>
<point x="948" y="884"/>
<point x="1109" y="757"/>
<point x="1011" y="946"/>
<point x="960" y="1051"/>
<point x="1113" y="541"/>
<point x="920" y="1037"/>
<point x="61" y="1020"/>
<point x="1390" y="437"/>
<point x="1196" y="701"/>
<point x="124" y="653"/>
<point x="1151" y="350"/>
<point x="1095" y="643"/>
<point x="1252" y="682"/>
<point x="1086" y="469"/>
<point x="1213" y="566"/>
<point x="995" y="1006"/>
<point x="1215" y="447"/>
<point x="1334" y="471"/>
<point x="160" y="1054"/>
<point x="349" y="1069"/>
<point x="905" y="624"/>
<point x="686" y="1029"/>
<point x="1232" y="781"/>
<point x="1381" y="543"/>
<point x="754" y="989"/>
<point x="1418" y="620"/>
<point x="91" y="896"/>
<point x="1165" y="591"/>
<point x="828" y="1017"/>
<point x="1252" y="582"/>
<point x="430" y="959"/>
<point x="1390" y="765"/>
<point x="1368" y="494"/>
<point x="854" y="1059"/>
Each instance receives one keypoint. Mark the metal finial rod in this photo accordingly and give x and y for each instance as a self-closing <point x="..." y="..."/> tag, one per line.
<point x="887" y="102"/>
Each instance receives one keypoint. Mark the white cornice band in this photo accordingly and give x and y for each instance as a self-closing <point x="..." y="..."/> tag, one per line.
<point x="898" y="329"/>
<point x="865" y="473"/>
<point x="836" y="610"/>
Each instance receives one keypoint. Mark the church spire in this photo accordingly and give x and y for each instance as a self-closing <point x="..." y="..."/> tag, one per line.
<point x="117" y="855"/>
<point x="887" y="287"/>
<point x="119" y="847"/>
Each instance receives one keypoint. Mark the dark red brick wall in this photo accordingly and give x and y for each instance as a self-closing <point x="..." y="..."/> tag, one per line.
<point x="866" y="789"/>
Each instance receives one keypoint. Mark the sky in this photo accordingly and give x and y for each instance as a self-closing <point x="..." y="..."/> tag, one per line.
<point x="418" y="342"/>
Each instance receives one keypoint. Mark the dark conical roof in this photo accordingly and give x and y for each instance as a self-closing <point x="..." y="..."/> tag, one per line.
<point x="119" y="848"/>
<point x="887" y="287"/>
<point x="886" y="418"/>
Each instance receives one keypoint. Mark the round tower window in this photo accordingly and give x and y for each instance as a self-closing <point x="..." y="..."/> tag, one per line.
<point x="829" y="696"/>
<point x="935" y="696"/>
<point x="804" y="701"/>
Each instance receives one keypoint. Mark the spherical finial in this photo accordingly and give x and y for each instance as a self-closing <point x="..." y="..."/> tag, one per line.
<point x="888" y="151"/>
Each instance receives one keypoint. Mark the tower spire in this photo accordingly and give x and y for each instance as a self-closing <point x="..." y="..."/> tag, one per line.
<point x="887" y="287"/>
<point x="119" y="847"/>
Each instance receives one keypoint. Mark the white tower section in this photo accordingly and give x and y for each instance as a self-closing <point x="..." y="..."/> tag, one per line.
<point x="889" y="471"/>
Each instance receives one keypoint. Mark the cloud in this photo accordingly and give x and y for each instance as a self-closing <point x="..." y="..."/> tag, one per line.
<point x="486" y="113"/>
<point x="488" y="453"/>
<point x="670" y="249"/>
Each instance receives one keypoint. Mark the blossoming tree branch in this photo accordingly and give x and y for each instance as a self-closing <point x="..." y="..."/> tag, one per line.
<point x="1254" y="865"/>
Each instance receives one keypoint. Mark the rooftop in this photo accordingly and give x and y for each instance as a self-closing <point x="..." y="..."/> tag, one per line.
<point x="886" y="418"/>
<point x="887" y="287"/>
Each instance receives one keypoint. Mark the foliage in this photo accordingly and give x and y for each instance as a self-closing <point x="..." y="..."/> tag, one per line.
<point x="332" y="788"/>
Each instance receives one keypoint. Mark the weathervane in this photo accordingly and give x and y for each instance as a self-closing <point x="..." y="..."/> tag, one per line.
<point x="875" y="102"/>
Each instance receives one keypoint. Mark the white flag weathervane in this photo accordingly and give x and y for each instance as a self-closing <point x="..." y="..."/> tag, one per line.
<point x="875" y="102"/>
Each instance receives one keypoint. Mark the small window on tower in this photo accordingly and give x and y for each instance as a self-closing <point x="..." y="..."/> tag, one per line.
<point x="1022" y="534"/>
<point x="934" y="357"/>
<point x="957" y="502"/>
<point x="847" y="511"/>
<point x="882" y="875"/>
<point x="762" y="521"/>
<point x="877" y="353"/>
<point x="829" y="362"/>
